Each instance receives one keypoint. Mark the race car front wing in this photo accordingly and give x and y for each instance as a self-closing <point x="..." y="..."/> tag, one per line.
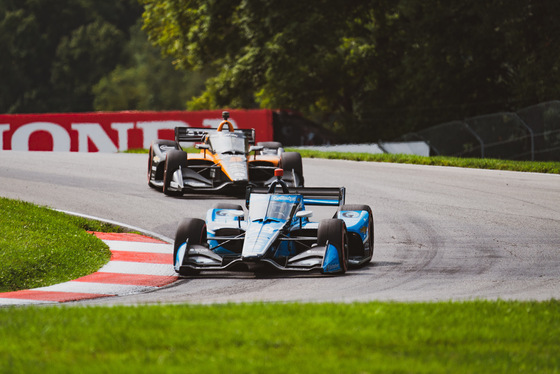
<point x="324" y="259"/>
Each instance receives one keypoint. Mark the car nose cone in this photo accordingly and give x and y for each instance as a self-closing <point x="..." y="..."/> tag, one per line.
<point x="238" y="173"/>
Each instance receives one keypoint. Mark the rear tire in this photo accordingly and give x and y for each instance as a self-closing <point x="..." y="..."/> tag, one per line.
<point x="173" y="161"/>
<point x="193" y="229"/>
<point x="228" y="206"/>
<point x="370" y="224"/>
<point x="271" y="147"/>
<point x="274" y="145"/>
<point x="334" y="231"/>
<point x="292" y="161"/>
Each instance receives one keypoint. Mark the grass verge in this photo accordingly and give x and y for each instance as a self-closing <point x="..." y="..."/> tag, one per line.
<point x="477" y="163"/>
<point x="467" y="337"/>
<point x="41" y="247"/>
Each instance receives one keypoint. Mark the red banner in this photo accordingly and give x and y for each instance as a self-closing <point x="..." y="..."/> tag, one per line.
<point x="115" y="131"/>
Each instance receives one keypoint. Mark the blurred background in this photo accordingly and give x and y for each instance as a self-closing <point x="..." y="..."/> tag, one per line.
<point x="470" y="79"/>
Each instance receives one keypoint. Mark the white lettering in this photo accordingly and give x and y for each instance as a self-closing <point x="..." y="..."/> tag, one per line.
<point x="3" y="128"/>
<point x="150" y="129"/>
<point x="60" y="137"/>
<point x="95" y="133"/>
<point x="122" y="130"/>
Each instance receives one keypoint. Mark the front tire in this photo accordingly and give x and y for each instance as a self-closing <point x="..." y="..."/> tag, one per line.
<point x="193" y="229"/>
<point x="150" y="161"/>
<point x="156" y="151"/>
<point x="334" y="232"/>
<point x="173" y="161"/>
<point x="361" y="207"/>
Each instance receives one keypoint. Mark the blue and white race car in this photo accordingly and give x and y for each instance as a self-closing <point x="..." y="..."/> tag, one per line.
<point x="276" y="233"/>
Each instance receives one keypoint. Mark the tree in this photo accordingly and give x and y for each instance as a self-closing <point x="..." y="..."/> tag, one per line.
<point x="146" y="81"/>
<point x="82" y="59"/>
<point x="372" y="69"/>
<point x="316" y="56"/>
<point x="462" y="59"/>
<point x="47" y="43"/>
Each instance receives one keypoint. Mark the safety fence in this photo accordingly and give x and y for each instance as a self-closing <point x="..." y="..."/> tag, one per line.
<point x="532" y="133"/>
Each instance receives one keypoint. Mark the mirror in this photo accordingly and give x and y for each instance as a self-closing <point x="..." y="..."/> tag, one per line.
<point x="304" y="213"/>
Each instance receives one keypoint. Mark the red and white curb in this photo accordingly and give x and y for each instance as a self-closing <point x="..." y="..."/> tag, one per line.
<point x="138" y="264"/>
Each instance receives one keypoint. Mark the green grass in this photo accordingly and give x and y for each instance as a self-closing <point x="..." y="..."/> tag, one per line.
<point x="468" y="337"/>
<point x="478" y="163"/>
<point x="41" y="247"/>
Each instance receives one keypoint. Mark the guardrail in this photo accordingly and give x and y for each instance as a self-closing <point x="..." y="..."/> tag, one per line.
<point x="532" y="133"/>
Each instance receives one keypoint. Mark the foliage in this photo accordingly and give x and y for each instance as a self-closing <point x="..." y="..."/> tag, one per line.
<point x="40" y="247"/>
<point x="286" y="54"/>
<point x="463" y="59"/>
<point x="145" y="80"/>
<point x="81" y="60"/>
<point x="374" y="337"/>
<point x="53" y="51"/>
<point x="369" y="69"/>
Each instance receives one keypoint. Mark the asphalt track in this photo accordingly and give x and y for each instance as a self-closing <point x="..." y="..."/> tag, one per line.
<point x="441" y="233"/>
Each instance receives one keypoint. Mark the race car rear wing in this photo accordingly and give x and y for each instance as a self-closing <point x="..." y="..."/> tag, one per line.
<point x="197" y="134"/>
<point x="333" y="196"/>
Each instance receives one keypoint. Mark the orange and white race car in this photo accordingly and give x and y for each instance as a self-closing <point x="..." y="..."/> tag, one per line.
<point x="228" y="160"/>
